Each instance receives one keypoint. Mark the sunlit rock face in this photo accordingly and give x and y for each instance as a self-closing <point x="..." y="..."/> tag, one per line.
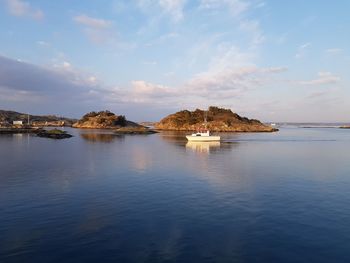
<point x="218" y="120"/>
<point x="103" y="120"/>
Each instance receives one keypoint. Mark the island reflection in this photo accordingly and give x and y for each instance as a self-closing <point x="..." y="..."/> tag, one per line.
<point x="99" y="137"/>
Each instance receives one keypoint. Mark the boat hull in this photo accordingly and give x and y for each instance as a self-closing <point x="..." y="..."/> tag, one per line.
<point x="203" y="138"/>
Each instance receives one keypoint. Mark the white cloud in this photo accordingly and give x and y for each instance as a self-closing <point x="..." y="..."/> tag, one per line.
<point x="236" y="7"/>
<point x="302" y="49"/>
<point x="66" y="65"/>
<point x="22" y="8"/>
<point x="43" y="43"/>
<point x="274" y="70"/>
<point x="230" y="56"/>
<point x="97" y="30"/>
<point x="204" y="88"/>
<point x="323" y="78"/>
<point x="174" y="8"/>
<point x="143" y="91"/>
<point x="253" y="27"/>
<point x="92" y="22"/>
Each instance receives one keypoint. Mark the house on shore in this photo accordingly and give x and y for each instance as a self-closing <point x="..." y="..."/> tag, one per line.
<point x="17" y="123"/>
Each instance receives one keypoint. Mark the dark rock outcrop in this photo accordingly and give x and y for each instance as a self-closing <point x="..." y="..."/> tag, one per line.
<point x="54" y="134"/>
<point x="218" y="120"/>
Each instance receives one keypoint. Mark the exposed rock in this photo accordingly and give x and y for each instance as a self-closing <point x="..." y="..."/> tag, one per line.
<point x="54" y="134"/>
<point x="218" y="120"/>
<point x="147" y="123"/>
<point x="345" y="127"/>
<point x="104" y="120"/>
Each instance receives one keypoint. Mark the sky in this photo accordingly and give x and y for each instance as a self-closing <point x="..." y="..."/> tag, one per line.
<point x="273" y="60"/>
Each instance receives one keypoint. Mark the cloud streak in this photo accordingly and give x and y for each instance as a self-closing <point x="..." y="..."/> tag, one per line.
<point x="168" y="8"/>
<point x="236" y="7"/>
<point x="322" y="79"/>
<point x="174" y="8"/>
<point x="97" y="30"/>
<point x="92" y="22"/>
<point x="24" y="9"/>
<point x="302" y="50"/>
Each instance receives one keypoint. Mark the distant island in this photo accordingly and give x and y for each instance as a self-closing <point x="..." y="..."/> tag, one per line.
<point x="218" y="120"/>
<point x="109" y="120"/>
<point x="7" y="118"/>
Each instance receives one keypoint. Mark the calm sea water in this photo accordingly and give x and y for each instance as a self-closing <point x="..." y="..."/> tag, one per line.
<point x="277" y="197"/>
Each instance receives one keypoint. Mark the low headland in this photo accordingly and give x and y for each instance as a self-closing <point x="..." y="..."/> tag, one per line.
<point x="218" y="120"/>
<point x="8" y="117"/>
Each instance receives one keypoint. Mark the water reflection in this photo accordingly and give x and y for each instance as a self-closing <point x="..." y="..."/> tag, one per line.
<point x="99" y="137"/>
<point x="195" y="202"/>
<point x="178" y="139"/>
<point x="202" y="147"/>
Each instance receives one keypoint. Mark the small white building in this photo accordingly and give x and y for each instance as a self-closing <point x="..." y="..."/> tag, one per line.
<point x="17" y="122"/>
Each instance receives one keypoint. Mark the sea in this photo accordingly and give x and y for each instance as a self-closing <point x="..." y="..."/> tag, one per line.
<point x="101" y="197"/>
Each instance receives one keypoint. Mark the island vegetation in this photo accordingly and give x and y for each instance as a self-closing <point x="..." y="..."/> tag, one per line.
<point x="218" y="120"/>
<point x="109" y="120"/>
<point x="135" y="130"/>
<point x="54" y="134"/>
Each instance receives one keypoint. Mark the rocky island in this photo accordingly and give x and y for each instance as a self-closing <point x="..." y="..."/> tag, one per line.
<point x="218" y="120"/>
<point x="54" y="134"/>
<point x="109" y="120"/>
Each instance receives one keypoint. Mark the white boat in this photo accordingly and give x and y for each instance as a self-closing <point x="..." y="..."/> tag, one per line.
<point x="202" y="137"/>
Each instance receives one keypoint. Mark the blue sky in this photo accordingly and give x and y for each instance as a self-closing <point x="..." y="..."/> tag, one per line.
<point x="267" y="59"/>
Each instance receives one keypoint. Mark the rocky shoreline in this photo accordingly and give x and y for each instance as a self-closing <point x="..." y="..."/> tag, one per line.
<point x="108" y="120"/>
<point x="218" y="120"/>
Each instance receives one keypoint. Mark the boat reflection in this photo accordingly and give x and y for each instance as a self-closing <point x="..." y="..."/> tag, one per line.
<point x="202" y="147"/>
